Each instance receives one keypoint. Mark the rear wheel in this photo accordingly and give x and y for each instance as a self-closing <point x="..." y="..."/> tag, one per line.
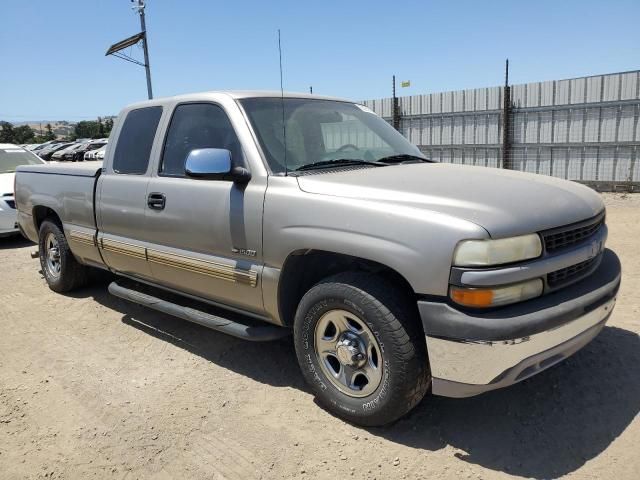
<point x="361" y="348"/>
<point x="61" y="270"/>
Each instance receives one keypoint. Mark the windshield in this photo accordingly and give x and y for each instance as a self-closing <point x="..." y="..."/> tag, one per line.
<point x="321" y="131"/>
<point x="60" y="147"/>
<point x="10" y="158"/>
<point x="95" y="146"/>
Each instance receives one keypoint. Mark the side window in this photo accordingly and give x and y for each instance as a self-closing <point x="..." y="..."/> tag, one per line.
<point x="135" y="141"/>
<point x="197" y="125"/>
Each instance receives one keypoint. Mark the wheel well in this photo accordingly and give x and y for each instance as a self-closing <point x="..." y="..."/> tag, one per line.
<point x="305" y="268"/>
<point x="41" y="213"/>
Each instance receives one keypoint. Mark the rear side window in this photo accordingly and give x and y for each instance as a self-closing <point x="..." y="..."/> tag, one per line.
<point x="197" y="125"/>
<point x="135" y="141"/>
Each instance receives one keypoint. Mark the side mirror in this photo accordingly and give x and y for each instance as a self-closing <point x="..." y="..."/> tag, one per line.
<point x="214" y="164"/>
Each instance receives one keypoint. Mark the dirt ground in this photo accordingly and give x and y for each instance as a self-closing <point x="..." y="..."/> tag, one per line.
<point x="93" y="387"/>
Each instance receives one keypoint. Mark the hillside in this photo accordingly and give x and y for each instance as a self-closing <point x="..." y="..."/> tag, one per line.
<point x="61" y="128"/>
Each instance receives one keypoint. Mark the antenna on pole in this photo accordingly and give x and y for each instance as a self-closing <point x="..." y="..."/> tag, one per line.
<point x="284" y="129"/>
<point x="116" y="48"/>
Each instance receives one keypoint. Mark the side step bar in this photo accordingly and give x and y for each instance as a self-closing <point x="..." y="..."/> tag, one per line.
<point x="263" y="333"/>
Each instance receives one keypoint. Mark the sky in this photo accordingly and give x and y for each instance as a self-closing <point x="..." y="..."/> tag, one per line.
<point x="53" y="67"/>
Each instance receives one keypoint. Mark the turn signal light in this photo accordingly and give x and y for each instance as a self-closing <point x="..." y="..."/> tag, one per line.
<point x="494" y="297"/>
<point x="472" y="297"/>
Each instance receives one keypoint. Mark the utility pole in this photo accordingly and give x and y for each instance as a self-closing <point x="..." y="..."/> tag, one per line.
<point x="145" y="44"/>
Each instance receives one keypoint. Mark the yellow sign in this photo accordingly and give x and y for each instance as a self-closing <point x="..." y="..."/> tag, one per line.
<point x="406" y="83"/>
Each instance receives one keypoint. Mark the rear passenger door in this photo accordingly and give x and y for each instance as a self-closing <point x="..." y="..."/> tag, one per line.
<point x="122" y="193"/>
<point x="207" y="234"/>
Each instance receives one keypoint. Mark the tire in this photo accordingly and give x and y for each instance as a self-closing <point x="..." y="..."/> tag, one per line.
<point x="339" y="307"/>
<point x="61" y="270"/>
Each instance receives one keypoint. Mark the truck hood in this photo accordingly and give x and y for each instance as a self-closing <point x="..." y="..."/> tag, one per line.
<point x="6" y="183"/>
<point x="503" y="202"/>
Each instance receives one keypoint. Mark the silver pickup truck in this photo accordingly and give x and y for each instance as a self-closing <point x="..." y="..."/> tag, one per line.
<point x="312" y="215"/>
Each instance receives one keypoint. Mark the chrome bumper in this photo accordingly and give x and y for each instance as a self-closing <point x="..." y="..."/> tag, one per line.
<point x="464" y="369"/>
<point x="490" y="353"/>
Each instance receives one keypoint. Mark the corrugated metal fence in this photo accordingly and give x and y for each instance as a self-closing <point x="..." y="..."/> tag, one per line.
<point x="584" y="129"/>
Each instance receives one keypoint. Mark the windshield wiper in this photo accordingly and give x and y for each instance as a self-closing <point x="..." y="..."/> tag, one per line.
<point x="339" y="162"/>
<point x="402" y="158"/>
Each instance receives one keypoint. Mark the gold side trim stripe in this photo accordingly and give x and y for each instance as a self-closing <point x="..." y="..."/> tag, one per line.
<point x="82" y="237"/>
<point x="190" y="264"/>
<point x="203" y="267"/>
<point x="114" y="246"/>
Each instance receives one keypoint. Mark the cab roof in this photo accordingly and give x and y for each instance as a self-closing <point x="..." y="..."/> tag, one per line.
<point x="234" y="94"/>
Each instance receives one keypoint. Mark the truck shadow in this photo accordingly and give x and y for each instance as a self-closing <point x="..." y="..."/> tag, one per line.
<point x="226" y="351"/>
<point x="14" y="241"/>
<point x="544" y="427"/>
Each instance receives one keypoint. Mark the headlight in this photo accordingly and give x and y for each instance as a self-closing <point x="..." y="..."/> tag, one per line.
<point x="482" y="253"/>
<point x="494" y="297"/>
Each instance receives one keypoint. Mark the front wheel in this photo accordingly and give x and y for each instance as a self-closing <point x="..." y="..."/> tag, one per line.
<point x="361" y="347"/>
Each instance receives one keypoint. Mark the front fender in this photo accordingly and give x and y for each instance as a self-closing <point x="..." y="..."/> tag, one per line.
<point x="416" y="243"/>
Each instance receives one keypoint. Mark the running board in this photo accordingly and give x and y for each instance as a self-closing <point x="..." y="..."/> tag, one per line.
<point x="262" y="333"/>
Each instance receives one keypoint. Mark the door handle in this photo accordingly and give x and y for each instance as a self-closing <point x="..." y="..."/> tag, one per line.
<point x="156" y="201"/>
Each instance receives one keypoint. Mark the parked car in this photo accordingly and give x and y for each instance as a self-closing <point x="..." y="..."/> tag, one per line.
<point x="47" y="144"/>
<point x="394" y="274"/>
<point x="66" y="154"/>
<point x="79" y="153"/>
<point x="97" y="154"/>
<point x="10" y="157"/>
<point x="100" y="153"/>
<point x="47" y="152"/>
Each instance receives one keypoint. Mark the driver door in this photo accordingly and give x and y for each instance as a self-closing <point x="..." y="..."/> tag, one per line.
<point x="207" y="234"/>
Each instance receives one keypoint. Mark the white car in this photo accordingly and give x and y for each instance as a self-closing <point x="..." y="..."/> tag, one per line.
<point x="10" y="157"/>
<point x="100" y="153"/>
<point x="97" y="154"/>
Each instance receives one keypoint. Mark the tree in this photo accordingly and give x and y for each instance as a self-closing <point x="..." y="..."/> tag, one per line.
<point x="49" y="135"/>
<point x="89" y="129"/>
<point x="6" y="132"/>
<point x="11" y="134"/>
<point x="23" y="134"/>
<point x="108" y="126"/>
<point x="100" y="128"/>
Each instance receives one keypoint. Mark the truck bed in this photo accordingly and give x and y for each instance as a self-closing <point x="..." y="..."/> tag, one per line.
<point x="67" y="189"/>
<point x="84" y="169"/>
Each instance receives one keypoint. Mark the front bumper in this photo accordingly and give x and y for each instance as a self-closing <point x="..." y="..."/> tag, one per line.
<point x="471" y="353"/>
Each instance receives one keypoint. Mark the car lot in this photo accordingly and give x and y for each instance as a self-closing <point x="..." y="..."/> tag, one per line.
<point x="82" y="149"/>
<point x="91" y="385"/>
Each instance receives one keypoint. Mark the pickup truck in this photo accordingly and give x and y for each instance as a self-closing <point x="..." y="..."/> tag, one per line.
<point x="312" y="216"/>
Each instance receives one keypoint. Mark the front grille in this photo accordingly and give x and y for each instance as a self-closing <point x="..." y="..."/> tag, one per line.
<point x="568" y="274"/>
<point x="11" y="203"/>
<point x="564" y="237"/>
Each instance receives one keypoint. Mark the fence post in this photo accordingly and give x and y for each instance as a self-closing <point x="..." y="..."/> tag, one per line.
<point x="395" y="107"/>
<point x="506" y="121"/>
